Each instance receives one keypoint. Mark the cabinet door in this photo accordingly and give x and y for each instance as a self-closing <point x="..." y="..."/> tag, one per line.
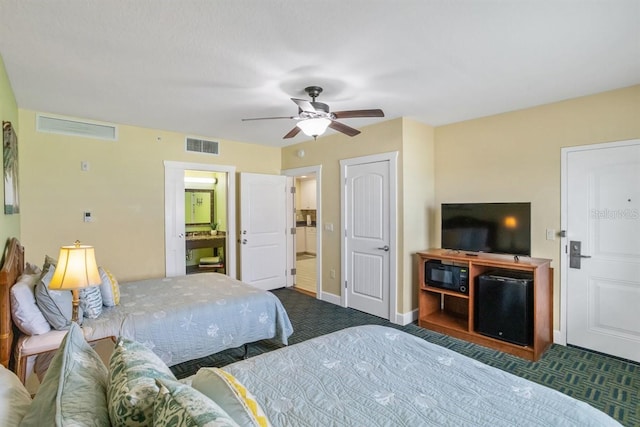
<point x="300" y="240"/>
<point x="311" y="240"/>
<point x="308" y="194"/>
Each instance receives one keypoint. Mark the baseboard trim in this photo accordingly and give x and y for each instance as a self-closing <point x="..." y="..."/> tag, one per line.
<point x="404" y="319"/>
<point x="558" y="337"/>
<point x="332" y="298"/>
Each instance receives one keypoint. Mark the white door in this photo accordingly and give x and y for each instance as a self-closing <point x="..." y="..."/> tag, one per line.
<point x="290" y="215"/>
<point x="263" y="236"/>
<point x="174" y="221"/>
<point x="368" y="237"/>
<point x="603" y="232"/>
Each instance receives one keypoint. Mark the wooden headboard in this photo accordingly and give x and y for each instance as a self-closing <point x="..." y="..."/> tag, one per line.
<point x="11" y="269"/>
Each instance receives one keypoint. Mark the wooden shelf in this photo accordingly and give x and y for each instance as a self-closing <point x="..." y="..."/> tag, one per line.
<point x="452" y="313"/>
<point x="445" y="320"/>
<point x="444" y="291"/>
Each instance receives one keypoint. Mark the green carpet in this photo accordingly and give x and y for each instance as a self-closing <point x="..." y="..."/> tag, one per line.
<point x="609" y="384"/>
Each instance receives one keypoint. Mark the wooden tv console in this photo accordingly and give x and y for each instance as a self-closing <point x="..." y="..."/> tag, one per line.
<point x="452" y="313"/>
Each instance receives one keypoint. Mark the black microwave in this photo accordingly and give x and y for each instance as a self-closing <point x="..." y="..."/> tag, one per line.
<point x="446" y="276"/>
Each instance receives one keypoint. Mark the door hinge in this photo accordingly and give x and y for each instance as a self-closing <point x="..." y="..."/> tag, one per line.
<point x="293" y="230"/>
<point x="293" y="190"/>
<point x="345" y="284"/>
<point x="293" y="271"/>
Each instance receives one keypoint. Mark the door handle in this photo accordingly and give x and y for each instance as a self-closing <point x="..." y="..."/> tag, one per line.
<point x="384" y="248"/>
<point x="244" y="241"/>
<point x="575" y="256"/>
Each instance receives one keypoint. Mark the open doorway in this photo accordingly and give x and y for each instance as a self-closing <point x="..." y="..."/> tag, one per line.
<point x="205" y="221"/>
<point x="306" y="234"/>
<point x="307" y="255"/>
<point x="176" y="213"/>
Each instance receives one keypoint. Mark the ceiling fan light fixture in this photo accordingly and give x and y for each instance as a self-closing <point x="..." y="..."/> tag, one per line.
<point x="314" y="127"/>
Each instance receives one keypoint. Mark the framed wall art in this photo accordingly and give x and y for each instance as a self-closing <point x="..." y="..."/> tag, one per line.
<point x="10" y="169"/>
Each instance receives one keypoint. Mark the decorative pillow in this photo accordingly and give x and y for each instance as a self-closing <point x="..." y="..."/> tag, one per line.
<point x="178" y="404"/>
<point x="109" y="288"/>
<point x="31" y="269"/>
<point x="56" y="306"/>
<point x="132" y="387"/>
<point x="74" y="389"/>
<point x="91" y="301"/>
<point x="48" y="261"/>
<point x="24" y="310"/>
<point x="231" y="395"/>
<point x="14" y="399"/>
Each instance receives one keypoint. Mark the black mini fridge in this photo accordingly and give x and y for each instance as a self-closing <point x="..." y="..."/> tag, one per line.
<point x="504" y="306"/>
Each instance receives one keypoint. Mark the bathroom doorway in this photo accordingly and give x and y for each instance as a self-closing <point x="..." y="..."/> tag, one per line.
<point x="176" y="214"/>
<point x="205" y="221"/>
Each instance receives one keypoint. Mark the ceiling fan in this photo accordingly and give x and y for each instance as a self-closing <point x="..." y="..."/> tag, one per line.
<point x="315" y="117"/>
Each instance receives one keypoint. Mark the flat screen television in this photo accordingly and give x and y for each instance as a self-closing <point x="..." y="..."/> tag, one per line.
<point x="503" y="228"/>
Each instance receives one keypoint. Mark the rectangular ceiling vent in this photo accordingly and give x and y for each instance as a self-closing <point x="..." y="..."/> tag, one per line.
<point x="68" y="126"/>
<point x="195" y="145"/>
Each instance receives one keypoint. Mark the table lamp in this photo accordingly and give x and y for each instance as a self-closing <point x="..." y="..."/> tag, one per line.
<point x="76" y="269"/>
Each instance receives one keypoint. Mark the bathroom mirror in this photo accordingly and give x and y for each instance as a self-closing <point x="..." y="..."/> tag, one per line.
<point x="198" y="207"/>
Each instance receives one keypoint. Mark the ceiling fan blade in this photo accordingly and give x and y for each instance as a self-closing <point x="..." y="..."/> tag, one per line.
<point x="304" y="105"/>
<point x="343" y="128"/>
<point x="358" y="113"/>
<point x="270" y="118"/>
<point x="293" y="132"/>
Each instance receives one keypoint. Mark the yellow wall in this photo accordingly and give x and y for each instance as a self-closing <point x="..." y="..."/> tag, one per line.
<point x="516" y="157"/>
<point x="9" y="224"/>
<point x="414" y="142"/>
<point x="124" y="189"/>
<point x="416" y="196"/>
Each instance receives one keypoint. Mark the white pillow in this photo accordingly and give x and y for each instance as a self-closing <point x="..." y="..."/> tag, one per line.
<point x="14" y="399"/>
<point x="24" y="310"/>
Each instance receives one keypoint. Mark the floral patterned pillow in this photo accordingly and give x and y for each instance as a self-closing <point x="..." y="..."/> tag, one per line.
<point x="132" y="388"/>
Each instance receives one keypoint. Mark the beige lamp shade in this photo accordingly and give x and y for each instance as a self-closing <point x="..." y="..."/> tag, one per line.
<point x="76" y="268"/>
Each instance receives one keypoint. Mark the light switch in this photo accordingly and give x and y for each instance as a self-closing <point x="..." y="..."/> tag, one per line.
<point x="84" y="166"/>
<point x="551" y="234"/>
<point x="328" y="226"/>
<point x="87" y="217"/>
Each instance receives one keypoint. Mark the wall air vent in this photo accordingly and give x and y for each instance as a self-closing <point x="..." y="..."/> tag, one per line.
<point x="195" y="145"/>
<point x="68" y="126"/>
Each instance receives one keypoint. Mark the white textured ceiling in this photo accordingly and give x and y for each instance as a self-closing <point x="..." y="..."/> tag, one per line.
<point x="199" y="66"/>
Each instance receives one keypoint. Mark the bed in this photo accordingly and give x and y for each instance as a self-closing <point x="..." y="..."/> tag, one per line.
<point x="361" y="376"/>
<point x="366" y="375"/>
<point x="180" y="318"/>
<point x="379" y="376"/>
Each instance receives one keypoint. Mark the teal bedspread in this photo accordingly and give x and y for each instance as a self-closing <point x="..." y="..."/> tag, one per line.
<point x="188" y="317"/>
<point x="379" y="376"/>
